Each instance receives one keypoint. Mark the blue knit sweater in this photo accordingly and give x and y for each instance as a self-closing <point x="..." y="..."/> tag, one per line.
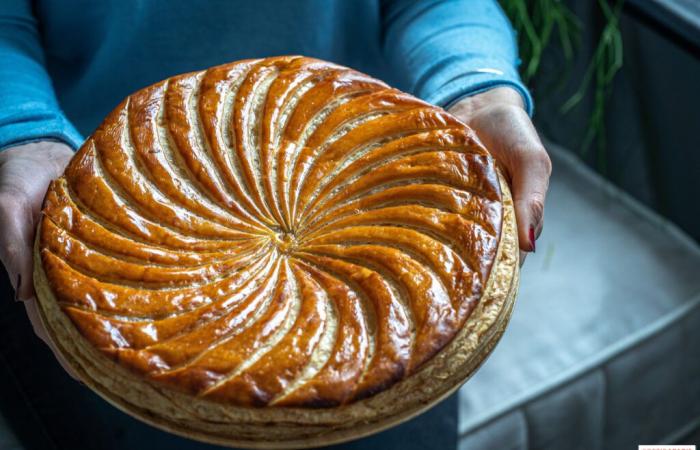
<point x="64" y="64"/>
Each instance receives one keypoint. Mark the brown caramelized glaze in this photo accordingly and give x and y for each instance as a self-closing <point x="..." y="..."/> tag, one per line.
<point x="281" y="231"/>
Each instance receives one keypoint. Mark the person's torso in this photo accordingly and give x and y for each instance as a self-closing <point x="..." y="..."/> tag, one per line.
<point x="98" y="52"/>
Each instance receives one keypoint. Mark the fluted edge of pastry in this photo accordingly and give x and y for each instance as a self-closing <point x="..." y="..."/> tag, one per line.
<point x="288" y="428"/>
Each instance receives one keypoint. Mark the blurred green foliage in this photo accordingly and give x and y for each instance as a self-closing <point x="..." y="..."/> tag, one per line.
<point x="541" y="23"/>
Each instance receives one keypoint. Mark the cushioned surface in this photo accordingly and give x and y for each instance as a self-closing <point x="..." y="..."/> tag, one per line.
<point x="602" y="347"/>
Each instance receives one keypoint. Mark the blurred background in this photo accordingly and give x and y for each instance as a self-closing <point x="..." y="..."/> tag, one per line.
<point x="602" y="349"/>
<point x="617" y="82"/>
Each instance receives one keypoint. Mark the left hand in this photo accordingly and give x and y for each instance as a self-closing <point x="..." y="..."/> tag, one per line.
<point x="25" y="172"/>
<point x="504" y="127"/>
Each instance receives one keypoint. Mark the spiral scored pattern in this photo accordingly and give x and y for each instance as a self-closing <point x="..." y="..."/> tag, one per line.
<point x="276" y="232"/>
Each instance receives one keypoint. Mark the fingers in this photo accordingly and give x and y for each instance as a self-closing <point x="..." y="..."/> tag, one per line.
<point x="529" y="172"/>
<point x="17" y="257"/>
<point x="17" y="223"/>
<point x="516" y="145"/>
<point x="25" y="172"/>
<point x="33" y="314"/>
<point x="508" y="133"/>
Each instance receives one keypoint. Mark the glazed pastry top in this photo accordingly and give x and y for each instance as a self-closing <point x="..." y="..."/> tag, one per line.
<point x="275" y="232"/>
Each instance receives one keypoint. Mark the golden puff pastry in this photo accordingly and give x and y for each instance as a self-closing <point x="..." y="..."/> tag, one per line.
<point x="276" y="253"/>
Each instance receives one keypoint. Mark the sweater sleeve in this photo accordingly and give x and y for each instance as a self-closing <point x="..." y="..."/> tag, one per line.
<point x="29" y="110"/>
<point x="444" y="50"/>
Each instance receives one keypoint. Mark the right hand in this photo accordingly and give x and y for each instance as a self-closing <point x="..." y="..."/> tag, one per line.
<point x="499" y="118"/>
<point x="25" y="173"/>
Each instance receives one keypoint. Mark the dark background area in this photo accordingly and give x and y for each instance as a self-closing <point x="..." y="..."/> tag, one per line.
<point x="653" y="112"/>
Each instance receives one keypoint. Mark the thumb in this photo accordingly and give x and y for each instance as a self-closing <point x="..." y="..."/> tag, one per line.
<point x="510" y="136"/>
<point x="34" y="317"/>
<point x="16" y="221"/>
<point x="529" y="182"/>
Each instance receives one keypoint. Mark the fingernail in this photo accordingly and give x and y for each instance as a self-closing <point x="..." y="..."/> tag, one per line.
<point x="19" y="285"/>
<point x="532" y="238"/>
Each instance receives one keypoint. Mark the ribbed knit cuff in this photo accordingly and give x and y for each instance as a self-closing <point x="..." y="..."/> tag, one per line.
<point x="24" y="127"/>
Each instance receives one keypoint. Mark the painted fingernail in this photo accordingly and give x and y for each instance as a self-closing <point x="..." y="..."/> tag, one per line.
<point x="19" y="285"/>
<point x="532" y="238"/>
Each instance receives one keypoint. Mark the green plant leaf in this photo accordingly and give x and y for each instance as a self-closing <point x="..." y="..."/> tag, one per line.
<point x="535" y="21"/>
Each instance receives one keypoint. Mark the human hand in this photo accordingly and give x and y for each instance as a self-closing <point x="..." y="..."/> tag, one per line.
<point x="503" y="126"/>
<point x="25" y="173"/>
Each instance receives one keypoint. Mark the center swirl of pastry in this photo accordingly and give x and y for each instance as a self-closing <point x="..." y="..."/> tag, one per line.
<point x="285" y="242"/>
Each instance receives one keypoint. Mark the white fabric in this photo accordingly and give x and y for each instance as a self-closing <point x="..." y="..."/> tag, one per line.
<point x="602" y="349"/>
